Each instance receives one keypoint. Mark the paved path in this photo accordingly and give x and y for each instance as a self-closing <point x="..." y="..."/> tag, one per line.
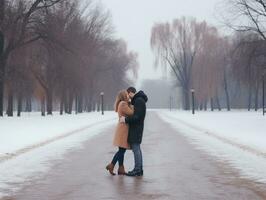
<point x="173" y="169"/>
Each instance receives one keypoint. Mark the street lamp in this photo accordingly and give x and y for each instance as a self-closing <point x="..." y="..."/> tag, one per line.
<point x="102" y="103"/>
<point x="193" y="100"/>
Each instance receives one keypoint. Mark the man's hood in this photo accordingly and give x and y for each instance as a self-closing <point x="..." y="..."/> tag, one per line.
<point x="140" y="94"/>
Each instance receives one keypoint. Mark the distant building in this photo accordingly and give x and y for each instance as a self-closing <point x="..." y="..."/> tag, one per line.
<point x="161" y="94"/>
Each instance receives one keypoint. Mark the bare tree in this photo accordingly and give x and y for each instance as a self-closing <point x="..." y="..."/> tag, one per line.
<point x="248" y="63"/>
<point x="210" y="69"/>
<point x="177" y="45"/>
<point x="67" y="56"/>
<point x="17" y="26"/>
<point x="247" y="19"/>
<point x="246" y="16"/>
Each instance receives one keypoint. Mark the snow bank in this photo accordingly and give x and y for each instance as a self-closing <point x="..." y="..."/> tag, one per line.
<point x="19" y="134"/>
<point x="247" y="128"/>
<point x="238" y="137"/>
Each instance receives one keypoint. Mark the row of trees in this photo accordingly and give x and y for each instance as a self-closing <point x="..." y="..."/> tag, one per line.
<point x="225" y="71"/>
<point x="59" y="55"/>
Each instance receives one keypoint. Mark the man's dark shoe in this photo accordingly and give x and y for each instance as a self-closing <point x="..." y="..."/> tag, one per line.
<point x="135" y="173"/>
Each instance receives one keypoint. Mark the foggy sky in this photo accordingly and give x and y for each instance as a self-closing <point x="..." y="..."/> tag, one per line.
<point x="133" y="20"/>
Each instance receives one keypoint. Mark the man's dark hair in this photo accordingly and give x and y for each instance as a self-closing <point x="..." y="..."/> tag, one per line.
<point x="131" y="89"/>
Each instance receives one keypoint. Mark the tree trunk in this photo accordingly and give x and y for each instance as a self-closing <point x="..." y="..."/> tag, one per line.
<point x="43" y="106"/>
<point x="76" y="104"/>
<point x="19" y="105"/>
<point x="10" y="104"/>
<point x="61" y="107"/>
<point x="70" y="103"/>
<point x="186" y="99"/>
<point x="2" y="83"/>
<point x="93" y="105"/>
<point x="87" y="104"/>
<point x="80" y="104"/>
<point x="90" y="104"/>
<point x="28" y="104"/>
<point x="3" y="59"/>
<point x="98" y="107"/>
<point x="49" y="102"/>
<point x="196" y="104"/>
<point x="212" y="107"/>
<point x="218" y="103"/>
<point x="205" y="105"/>
<point x="2" y="10"/>
<point x="1" y="95"/>
<point x="201" y="106"/>
<point x="256" y="103"/>
<point x="62" y="100"/>
<point x="249" y="98"/>
<point x="226" y="92"/>
<point x="66" y="104"/>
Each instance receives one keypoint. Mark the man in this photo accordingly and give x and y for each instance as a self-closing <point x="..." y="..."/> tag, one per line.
<point x="136" y="126"/>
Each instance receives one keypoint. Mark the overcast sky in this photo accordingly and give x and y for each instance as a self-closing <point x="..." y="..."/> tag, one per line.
<point x="133" y="20"/>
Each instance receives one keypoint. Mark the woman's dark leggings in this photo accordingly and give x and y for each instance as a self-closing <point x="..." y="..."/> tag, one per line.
<point x="119" y="156"/>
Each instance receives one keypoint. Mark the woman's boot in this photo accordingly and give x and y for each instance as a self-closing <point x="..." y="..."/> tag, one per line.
<point x="110" y="168"/>
<point x="121" y="170"/>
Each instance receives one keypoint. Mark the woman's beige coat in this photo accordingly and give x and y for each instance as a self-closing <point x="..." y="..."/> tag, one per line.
<point x="121" y="133"/>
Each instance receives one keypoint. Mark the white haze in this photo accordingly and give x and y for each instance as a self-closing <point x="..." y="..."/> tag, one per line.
<point x="133" y="21"/>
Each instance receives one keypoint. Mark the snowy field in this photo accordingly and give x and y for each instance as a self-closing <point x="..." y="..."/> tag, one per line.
<point x="44" y="139"/>
<point x="18" y="134"/>
<point x="237" y="137"/>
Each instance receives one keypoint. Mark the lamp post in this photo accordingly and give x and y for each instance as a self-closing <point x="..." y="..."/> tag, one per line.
<point x="102" y="103"/>
<point x="193" y="100"/>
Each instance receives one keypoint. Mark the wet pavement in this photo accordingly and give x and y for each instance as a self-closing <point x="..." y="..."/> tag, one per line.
<point x="173" y="169"/>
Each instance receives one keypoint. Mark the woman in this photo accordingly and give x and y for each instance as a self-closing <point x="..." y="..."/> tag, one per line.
<point x="123" y="108"/>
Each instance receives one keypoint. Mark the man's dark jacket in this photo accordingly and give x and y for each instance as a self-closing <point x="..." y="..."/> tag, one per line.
<point x="136" y="121"/>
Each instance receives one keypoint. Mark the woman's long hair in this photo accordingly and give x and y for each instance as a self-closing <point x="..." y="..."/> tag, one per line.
<point x="122" y="96"/>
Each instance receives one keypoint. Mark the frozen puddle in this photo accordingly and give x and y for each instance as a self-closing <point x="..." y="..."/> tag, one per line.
<point x="250" y="163"/>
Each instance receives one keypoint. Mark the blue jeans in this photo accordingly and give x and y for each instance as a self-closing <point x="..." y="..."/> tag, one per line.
<point x="137" y="157"/>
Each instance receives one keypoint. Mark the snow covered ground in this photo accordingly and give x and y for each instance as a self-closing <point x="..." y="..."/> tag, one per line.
<point x="44" y="139"/>
<point x="20" y="134"/>
<point x="237" y="137"/>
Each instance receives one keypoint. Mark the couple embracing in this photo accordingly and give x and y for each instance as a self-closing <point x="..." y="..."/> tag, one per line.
<point x="131" y="108"/>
